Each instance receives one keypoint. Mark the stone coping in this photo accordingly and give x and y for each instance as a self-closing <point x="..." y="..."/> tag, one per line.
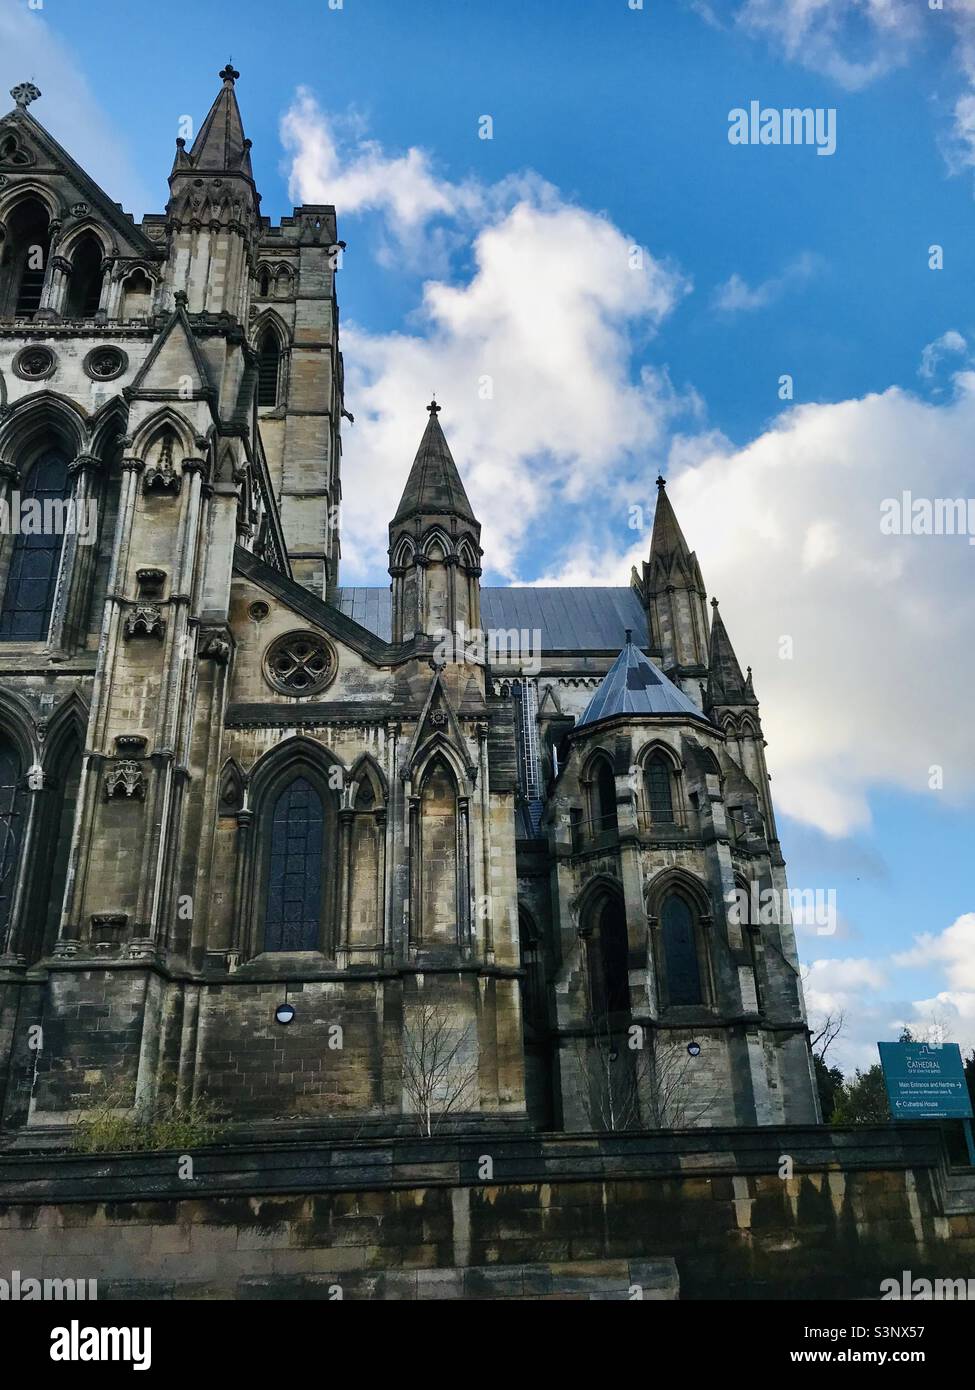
<point x="306" y="1166"/>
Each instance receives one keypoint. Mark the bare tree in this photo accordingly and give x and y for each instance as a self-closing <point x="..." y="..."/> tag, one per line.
<point x="439" y="1074"/>
<point x="612" y="1073"/>
<point x="637" y="1080"/>
<point x="830" y="1029"/>
<point x="677" y="1100"/>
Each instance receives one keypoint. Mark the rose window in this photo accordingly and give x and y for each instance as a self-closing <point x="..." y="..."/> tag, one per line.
<point x="301" y="663"/>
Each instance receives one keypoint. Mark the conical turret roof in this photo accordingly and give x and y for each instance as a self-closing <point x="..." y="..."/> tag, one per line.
<point x="434" y="486"/>
<point x="220" y="143"/>
<point x="667" y="539"/>
<point x="726" y="684"/>
<point x="634" y="686"/>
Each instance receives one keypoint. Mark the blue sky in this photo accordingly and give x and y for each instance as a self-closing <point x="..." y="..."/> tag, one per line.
<point x="610" y="132"/>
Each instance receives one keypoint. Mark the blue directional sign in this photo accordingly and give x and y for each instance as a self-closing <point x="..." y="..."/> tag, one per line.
<point x="925" y="1081"/>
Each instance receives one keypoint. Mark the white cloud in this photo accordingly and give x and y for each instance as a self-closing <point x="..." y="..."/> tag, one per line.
<point x="529" y="352"/>
<point x="960" y="149"/>
<point x="953" y="949"/>
<point x="934" y="353"/>
<point x="332" y="162"/>
<point x="31" y="52"/>
<point x="736" y="295"/>
<point x="853" y="43"/>
<point x="426" y="217"/>
<point x="860" y="990"/>
<point x="836" y="986"/>
<point x="788" y="533"/>
<point x="860" y="41"/>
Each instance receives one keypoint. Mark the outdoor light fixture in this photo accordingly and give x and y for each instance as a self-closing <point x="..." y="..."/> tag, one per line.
<point x="694" y="1049"/>
<point x="284" y="1013"/>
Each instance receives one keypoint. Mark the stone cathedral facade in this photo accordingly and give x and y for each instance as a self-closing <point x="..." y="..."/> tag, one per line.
<point x="228" y="784"/>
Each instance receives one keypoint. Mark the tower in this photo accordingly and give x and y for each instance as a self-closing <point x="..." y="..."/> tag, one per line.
<point x="434" y="546"/>
<point x="213" y="213"/>
<point x="731" y="702"/>
<point x="673" y="593"/>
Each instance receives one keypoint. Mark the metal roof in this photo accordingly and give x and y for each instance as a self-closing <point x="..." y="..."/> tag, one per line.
<point x="633" y="685"/>
<point x="567" y="619"/>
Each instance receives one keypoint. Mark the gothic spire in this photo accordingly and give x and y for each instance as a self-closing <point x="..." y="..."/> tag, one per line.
<point x="434" y="487"/>
<point x="726" y="684"/>
<point x="220" y="144"/>
<point x="672" y="589"/>
<point x="667" y="541"/>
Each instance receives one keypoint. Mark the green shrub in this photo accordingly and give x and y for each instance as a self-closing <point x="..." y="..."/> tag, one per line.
<point x="111" y="1124"/>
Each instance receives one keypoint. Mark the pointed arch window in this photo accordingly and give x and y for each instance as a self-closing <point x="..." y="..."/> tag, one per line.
<point x="293" y="915"/>
<point x="54" y="829"/>
<point x="366" y="877"/>
<point x="25" y="259"/>
<point x="680" y="947"/>
<point x="11" y="828"/>
<point x="753" y="940"/>
<point x="604" y="813"/>
<point x="608" y="953"/>
<point x="36" y="554"/>
<point x="660" y="792"/>
<point x="533" y="1010"/>
<point x="85" y="285"/>
<point x="136" y="295"/>
<point x="268" y="368"/>
<point x="439" y="886"/>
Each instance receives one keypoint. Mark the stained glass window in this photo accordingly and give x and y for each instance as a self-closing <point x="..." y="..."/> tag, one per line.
<point x="680" y="952"/>
<point x="659" y="791"/>
<point x="33" y="573"/>
<point x="294" y="893"/>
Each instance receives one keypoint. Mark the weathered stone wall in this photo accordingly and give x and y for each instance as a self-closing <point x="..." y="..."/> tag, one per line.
<point x="378" y="1220"/>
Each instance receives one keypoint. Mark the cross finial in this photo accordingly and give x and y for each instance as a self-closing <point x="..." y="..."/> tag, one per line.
<point x="433" y="408"/>
<point x="229" y="74"/>
<point x="661" y="480"/>
<point x="629" y="636"/>
<point x="24" y="93"/>
<point x="714" y="603"/>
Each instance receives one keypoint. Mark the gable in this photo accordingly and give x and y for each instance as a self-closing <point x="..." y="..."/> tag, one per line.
<point x="37" y="158"/>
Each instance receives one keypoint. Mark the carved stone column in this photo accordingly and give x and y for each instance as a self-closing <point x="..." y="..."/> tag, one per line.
<point x="9" y="478"/>
<point x="78" y="554"/>
<point x="55" y="289"/>
<point x="9" y="482"/>
<point x="243" y="916"/>
<point x="343" y="932"/>
<point x="414" y="904"/>
<point x="380" y="842"/>
<point x="13" y="950"/>
<point x="464" y="924"/>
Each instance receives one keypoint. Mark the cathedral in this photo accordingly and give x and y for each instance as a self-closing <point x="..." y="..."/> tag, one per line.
<point x="430" y="857"/>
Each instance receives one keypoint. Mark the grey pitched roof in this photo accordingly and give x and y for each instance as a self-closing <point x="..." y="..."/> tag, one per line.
<point x="434" y="485"/>
<point x="567" y="619"/>
<point x="370" y="608"/>
<point x="634" y="686"/>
